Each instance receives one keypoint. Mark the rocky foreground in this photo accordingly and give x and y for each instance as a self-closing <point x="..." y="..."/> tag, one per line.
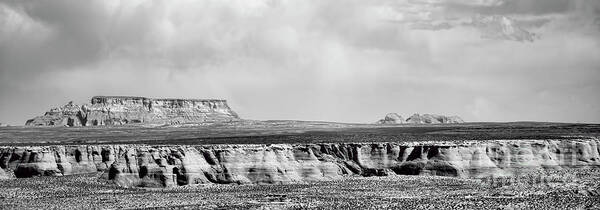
<point x="121" y="110"/>
<point x="164" y="166"/>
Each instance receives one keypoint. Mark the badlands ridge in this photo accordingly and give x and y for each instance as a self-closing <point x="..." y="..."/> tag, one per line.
<point x="163" y="166"/>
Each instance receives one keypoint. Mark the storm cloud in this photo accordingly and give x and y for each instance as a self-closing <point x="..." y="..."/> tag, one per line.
<point x="349" y="61"/>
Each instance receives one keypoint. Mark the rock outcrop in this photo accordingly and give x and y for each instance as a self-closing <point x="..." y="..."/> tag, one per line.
<point x="393" y="118"/>
<point x="120" y="110"/>
<point x="160" y="166"/>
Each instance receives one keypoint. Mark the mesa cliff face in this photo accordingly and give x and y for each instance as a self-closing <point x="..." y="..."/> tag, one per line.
<point x="393" y="118"/>
<point x="119" y="110"/>
<point x="143" y="165"/>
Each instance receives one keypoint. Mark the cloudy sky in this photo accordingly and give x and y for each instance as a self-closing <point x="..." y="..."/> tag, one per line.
<point x="348" y="61"/>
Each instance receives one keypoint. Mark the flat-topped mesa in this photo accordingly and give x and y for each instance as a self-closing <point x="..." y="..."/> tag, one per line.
<point x="120" y="110"/>
<point x="393" y="118"/>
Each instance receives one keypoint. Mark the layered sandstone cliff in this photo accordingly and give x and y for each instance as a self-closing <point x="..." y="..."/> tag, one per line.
<point x="143" y="165"/>
<point x="119" y="110"/>
<point x="393" y="118"/>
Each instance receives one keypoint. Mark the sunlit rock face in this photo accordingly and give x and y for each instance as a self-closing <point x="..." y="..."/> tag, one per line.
<point x="3" y="175"/>
<point x="119" y="110"/>
<point x="163" y="166"/>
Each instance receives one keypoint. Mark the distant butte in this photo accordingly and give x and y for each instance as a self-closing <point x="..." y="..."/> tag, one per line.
<point x="394" y="118"/>
<point x="121" y="110"/>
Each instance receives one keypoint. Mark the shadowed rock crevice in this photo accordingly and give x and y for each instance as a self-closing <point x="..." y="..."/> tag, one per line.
<point x="409" y="168"/>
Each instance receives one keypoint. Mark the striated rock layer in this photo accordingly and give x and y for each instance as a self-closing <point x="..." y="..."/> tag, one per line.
<point x="120" y="110"/>
<point x="163" y="166"/>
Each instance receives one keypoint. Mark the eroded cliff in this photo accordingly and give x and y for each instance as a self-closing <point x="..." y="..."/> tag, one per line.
<point x="120" y="110"/>
<point x="144" y="165"/>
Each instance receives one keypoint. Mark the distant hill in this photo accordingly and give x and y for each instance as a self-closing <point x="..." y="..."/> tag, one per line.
<point x="394" y="118"/>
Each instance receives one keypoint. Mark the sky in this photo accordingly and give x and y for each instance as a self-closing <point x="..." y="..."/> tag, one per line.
<point x="327" y="60"/>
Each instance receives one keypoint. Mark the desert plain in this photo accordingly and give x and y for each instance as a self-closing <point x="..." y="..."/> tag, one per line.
<point x="298" y="165"/>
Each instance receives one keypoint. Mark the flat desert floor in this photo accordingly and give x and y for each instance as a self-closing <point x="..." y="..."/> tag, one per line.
<point x="291" y="132"/>
<point x="567" y="189"/>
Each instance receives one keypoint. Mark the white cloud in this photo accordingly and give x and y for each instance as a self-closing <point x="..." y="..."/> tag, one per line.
<point x="312" y="60"/>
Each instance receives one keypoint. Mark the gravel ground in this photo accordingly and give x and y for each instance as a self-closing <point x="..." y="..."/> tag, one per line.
<point x="579" y="190"/>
